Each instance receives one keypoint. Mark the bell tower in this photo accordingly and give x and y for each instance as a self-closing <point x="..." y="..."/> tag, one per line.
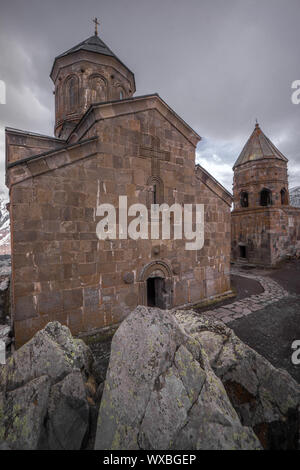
<point x="260" y="174"/>
<point x="85" y="74"/>
<point x="260" y="220"/>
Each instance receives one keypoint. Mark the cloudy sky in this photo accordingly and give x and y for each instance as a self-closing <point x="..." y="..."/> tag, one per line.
<point x="219" y="64"/>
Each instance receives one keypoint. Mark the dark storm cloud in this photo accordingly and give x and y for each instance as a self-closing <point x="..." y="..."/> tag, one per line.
<point x="219" y="64"/>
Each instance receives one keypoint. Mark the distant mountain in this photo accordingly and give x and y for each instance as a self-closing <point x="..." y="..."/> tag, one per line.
<point x="295" y="196"/>
<point x="4" y="226"/>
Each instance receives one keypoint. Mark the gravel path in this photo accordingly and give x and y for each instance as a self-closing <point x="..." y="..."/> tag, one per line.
<point x="272" y="292"/>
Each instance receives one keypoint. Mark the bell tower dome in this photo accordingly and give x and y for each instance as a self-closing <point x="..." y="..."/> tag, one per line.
<point x="260" y="174"/>
<point x="85" y="74"/>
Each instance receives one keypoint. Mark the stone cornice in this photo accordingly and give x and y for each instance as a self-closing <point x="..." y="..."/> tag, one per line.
<point x="265" y="209"/>
<point x="265" y="160"/>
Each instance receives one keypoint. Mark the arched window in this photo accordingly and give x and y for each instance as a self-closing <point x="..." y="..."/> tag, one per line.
<point x="155" y="191"/>
<point x="119" y="92"/>
<point x="244" y="199"/>
<point x="72" y="94"/>
<point x="98" y="88"/>
<point x="265" y="197"/>
<point x="283" y="197"/>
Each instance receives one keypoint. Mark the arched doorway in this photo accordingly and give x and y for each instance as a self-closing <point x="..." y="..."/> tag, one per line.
<point x="156" y="292"/>
<point x="156" y="285"/>
<point x="265" y="197"/>
<point x="243" y="251"/>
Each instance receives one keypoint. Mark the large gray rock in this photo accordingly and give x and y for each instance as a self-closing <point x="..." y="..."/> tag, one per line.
<point x="24" y="413"/>
<point x="266" y="399"/>
<point x="161" y="393"/>
<point x="43" y="393"/>
<point x="52" y="351"/>
<point x="68" y="413"/>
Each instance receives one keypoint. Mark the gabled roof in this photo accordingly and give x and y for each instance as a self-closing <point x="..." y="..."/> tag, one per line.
<point x="135" y="104"/>
<point x="258" y="147"/>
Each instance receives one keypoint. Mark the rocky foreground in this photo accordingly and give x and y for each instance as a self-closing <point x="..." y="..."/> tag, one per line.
<point x="47" y="392"/>
<point x="174" y="381"/>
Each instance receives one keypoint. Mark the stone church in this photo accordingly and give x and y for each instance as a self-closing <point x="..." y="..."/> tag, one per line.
<point x="265" y="228"/>
<point x="107" y="143"/>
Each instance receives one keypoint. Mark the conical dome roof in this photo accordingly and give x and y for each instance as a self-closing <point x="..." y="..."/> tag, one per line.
<point x="258" y="147"/>
<point x="92" y="44"/>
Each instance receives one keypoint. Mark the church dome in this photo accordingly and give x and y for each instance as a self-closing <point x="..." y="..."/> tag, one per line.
<point x="85" y="74"/>
<point x="92" y="44"/>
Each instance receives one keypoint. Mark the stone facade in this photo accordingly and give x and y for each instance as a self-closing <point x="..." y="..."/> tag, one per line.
<point x="129" y="146"/>
<point x="264" y="227"/>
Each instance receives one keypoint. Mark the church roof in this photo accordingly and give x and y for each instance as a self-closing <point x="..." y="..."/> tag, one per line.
<point x="258" y="147"/>
<point x="92" y="44"/>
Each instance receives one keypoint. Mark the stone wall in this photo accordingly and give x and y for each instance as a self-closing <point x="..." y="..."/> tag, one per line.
<point x="62" y="271"/>
<point x="285" y="239"/>
<point x="269" y="234"/>
<point x="250" y="228"/>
